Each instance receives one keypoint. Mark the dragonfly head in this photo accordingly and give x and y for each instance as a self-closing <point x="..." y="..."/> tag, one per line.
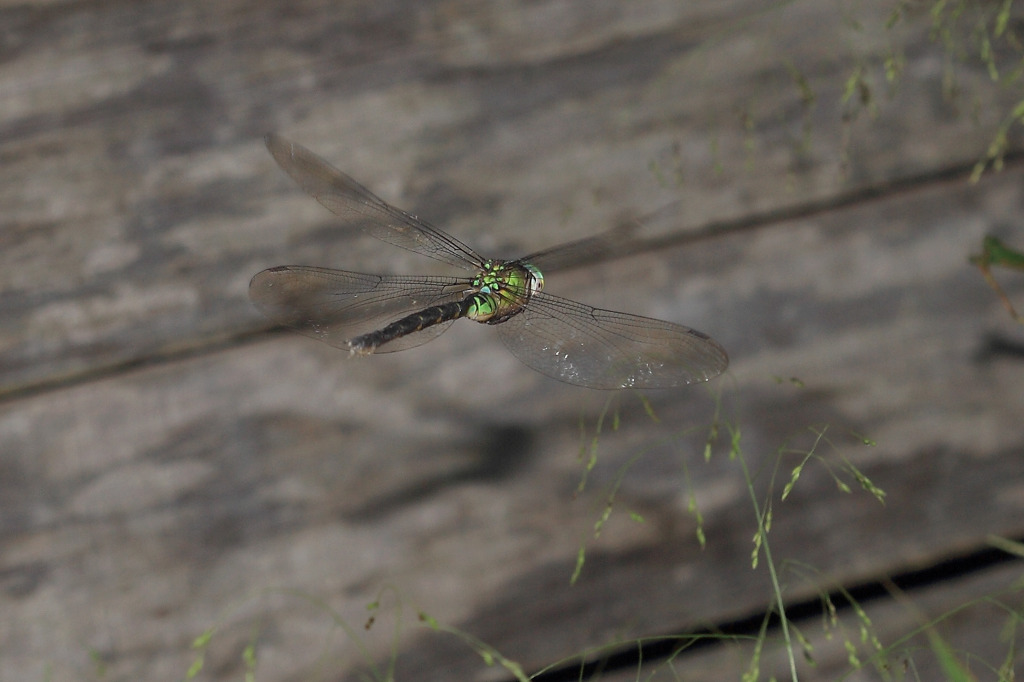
<point x="536" y="278"/>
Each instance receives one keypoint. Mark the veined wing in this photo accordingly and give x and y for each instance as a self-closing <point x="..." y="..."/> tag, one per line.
<point x="360" y="208"/>
<point x="334" y="306"/>
<point x="586" y="251"/>
<point x="596" y="348"/>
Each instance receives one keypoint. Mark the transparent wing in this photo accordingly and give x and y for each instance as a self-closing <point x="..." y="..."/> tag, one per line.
<point x="358" y="207"/>
<point x="335" y="306"/>
<point x="597" y="348"/>
<point x="587" y="251"/>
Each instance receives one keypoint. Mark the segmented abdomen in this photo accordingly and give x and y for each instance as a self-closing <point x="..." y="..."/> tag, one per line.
<point x="428" y="317"/>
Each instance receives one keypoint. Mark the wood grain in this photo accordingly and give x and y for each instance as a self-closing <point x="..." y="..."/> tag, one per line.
<point x="166" y="467"/>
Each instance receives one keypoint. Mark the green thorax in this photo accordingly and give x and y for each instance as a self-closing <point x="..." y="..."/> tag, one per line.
<point x="503" y="289"/>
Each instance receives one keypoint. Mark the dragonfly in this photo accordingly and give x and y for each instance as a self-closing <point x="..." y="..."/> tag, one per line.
<point x="371" y="313"/>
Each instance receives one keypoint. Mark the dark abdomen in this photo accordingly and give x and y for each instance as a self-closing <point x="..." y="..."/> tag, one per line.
<point x="410" y="324"/>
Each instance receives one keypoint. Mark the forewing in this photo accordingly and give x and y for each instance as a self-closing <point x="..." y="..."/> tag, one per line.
<point x="359" y="208"/>
<point x="587" y="251"/>
<point x="596" y="348"/>
<point x="335" y="306"/>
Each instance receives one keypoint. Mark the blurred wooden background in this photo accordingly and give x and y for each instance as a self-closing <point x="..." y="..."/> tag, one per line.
<point x="168" y="466"/>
